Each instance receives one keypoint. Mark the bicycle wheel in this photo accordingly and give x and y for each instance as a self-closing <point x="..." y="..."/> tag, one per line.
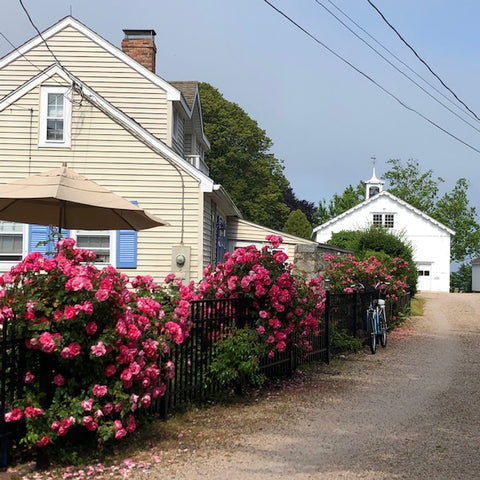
<point x="373" y="333"/>
<point x="383" y="330"/>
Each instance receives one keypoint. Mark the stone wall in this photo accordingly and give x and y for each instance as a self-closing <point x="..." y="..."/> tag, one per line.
<point x="310" y="259"/>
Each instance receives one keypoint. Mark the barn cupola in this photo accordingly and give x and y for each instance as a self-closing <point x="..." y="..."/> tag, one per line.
<point x="374" y="185"/>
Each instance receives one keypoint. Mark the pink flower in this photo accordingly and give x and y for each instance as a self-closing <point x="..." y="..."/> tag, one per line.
<point x="99" y="390"/>
<point x="110" y="370"/>
<point x="91" y="328"/>
<point x="29" y="377"/>
<point x="47" y="342"/>
<point x="169" y="370"/>
<point x="55" y="425"/>
<point x="170" y="278"/>
<point x="99" y="349"/>
<point x="101" y="295"/>
<point x="32" y="412"/>
<point x="133" y="332"/>
<point x="87" y="404"/>
<point x="44" y="441"/>
<point x="14" y="415"/>
<point x="107" y="408"/>
<point x="261" y="329"/>
<point x="69" y="312"/>
<point x="71" y="351"/>
<point x="59" y="380"/>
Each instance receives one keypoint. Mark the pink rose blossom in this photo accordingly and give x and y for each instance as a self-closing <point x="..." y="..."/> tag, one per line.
<point x="59" y="380"/>
<point x="99" y="349"/>
<point x="87" y="404"/>
<point x="99" y="390"/>
<point x="29" y="377"/>
<point x="91" y="328"/>
<point x="14" y="415"/>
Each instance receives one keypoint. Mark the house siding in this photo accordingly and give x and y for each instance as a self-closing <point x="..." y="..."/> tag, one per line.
<point x="243" y="233"/>
<point x="118" y="83"/>
<point x="105" y="152"/>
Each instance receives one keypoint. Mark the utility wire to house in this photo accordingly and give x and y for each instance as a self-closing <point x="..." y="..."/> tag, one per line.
<point x="371" y="79"/>
<point x="421" y="59"/>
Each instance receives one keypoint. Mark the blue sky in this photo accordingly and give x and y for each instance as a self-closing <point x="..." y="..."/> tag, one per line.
<point x="325" y="119"/>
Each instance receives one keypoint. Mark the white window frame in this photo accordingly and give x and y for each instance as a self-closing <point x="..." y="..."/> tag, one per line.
<point x="67" y="117"/>
<point x="113" y="243"/>
<point x="5" y="265"/>
<point x="380" y="219"/>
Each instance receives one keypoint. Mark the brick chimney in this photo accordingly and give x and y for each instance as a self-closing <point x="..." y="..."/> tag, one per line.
<point x="140" y="45"/>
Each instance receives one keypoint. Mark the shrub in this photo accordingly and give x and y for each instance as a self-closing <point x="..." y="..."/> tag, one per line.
<point x="285" y="309"/>
<point x="236" y="360"/>
<point x="94" y="346"/>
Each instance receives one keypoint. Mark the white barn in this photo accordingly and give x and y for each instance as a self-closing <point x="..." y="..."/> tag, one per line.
<point x="429" y="238"/>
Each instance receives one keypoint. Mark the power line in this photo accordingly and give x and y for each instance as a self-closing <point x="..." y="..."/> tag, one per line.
<point x="448" y="99"/>
<point x="396" y="68"/>
<point x="39" y="33"/>
<point x="421" y="59"/>
<point x="403" y="104"/>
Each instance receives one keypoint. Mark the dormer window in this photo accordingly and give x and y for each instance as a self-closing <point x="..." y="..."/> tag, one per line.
<point x="55" y="117"/>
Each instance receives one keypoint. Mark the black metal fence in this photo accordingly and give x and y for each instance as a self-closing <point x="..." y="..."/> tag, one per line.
<point x="211" y="319"/>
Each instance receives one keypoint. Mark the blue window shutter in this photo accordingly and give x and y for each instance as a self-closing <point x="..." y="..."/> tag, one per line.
<point x="37" y="234"/>
<point x="126" y="249"/>
<point x="42" y="233"/>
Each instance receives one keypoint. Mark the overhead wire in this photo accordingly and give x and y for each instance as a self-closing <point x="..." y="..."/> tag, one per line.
<point x="39" y="33"/>
<point x="395" y="66"/>
<point x="402" y="103"/>
<point x="421" y="59"/>
<point x="433" y="87"/>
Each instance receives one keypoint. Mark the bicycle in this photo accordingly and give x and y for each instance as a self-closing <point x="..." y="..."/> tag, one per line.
<point x="376" y="317"/>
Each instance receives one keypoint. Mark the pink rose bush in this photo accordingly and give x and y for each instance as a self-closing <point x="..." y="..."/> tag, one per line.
<point x="93" y="343"/>
<point x="345" y="271"/>
<point x="286" y="309"/>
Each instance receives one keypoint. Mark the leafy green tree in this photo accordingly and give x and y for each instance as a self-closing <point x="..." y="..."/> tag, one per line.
<point x="239" y="160"/>
<point x="453" y="210"/>
<point x="462" y="278"/>
<point x="298" y="224"/>
<point x="419" y="189"/>
<point x="350" y="197"/>
<point x="294" y="203"/>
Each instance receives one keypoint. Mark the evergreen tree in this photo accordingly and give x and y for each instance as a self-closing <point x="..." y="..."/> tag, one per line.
<point x="297" y="224"/>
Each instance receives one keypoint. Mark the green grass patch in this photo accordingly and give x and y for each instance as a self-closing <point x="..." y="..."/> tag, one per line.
<point x="417" y="306"/>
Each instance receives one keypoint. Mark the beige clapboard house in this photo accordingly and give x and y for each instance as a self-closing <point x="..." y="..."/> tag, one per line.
<point x="71" y="96"/>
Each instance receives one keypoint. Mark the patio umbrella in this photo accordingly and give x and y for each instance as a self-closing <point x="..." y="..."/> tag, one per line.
<point x="67" y="199"/>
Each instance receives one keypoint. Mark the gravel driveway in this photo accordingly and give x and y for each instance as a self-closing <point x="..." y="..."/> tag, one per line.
<point x="412" y="411"/>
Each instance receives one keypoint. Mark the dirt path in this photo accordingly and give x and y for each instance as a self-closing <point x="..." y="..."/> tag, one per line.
<point x="411" y="411"/>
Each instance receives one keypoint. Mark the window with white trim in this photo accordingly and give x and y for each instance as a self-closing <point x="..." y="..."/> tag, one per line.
<point x="98" y="241"/>
<point x="386" y="220"/>
<point x="11" y="241"/>
<point x="55" y="117"/>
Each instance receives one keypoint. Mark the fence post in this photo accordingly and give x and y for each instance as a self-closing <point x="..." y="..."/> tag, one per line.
<point x="326" y="327"/>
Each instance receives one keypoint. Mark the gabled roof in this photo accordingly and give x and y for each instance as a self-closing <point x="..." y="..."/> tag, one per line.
<point x="191" y="96"/>
<point x="114" y="113"/>
<point x="376" y="198"/>
<point x="173" y="93"/>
